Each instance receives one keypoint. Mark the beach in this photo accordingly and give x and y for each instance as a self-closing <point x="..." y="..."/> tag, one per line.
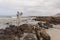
<point x="53" y="32"/>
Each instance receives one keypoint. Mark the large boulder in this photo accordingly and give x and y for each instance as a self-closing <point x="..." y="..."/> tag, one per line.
<point x="26" y="27"/>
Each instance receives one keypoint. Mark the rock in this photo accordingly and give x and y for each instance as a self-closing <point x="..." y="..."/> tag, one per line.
<point x="26" y="27"/>
<point x="29" y="37"/>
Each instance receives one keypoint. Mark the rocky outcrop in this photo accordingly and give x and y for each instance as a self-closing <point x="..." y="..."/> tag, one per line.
<point x="50" y="19"/>
<point x="10" y="33"/>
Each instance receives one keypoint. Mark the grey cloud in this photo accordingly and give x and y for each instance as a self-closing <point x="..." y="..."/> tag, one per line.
<point x="47" y="7"/>
<point x="33" y="7"/>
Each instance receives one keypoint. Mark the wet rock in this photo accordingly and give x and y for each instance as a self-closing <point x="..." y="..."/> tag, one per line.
<point x="10" y="33"/>
<point x="45" y="35"/>
<point x="45" y="25"/>
<point x="1" y="31"/>
<point x="29" y="37"/>
<point x="7" y="23"/>
<point x="26" y="27"/>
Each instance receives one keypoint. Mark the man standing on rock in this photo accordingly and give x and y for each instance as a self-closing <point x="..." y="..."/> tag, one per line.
<point x="18" y="18"/>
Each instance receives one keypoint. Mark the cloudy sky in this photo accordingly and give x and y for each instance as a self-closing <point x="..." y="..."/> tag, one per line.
<point x="30" y="7"/>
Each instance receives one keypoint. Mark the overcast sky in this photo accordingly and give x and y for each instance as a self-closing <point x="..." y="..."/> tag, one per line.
<point x="30" y="7"/>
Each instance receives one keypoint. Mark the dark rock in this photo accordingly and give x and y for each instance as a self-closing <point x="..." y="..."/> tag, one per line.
<point x="29" y="37"/>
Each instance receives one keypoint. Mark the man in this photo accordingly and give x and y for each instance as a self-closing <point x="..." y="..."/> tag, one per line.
<point x="18" y="18"/>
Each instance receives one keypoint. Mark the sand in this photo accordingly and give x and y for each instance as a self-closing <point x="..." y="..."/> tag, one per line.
<point x="54" y="32"/>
